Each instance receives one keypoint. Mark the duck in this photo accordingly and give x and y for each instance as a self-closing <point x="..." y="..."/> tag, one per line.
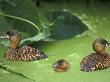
<point x="97" y="60"/>
<point x="17" y="53"/>
<point x="61" y="65"/>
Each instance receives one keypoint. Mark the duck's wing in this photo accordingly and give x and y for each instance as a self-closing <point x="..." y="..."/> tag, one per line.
<point x="27" y="53"/>
<point x="94" y="62"/>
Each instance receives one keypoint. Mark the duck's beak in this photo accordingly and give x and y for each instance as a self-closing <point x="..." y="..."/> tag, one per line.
<point x="5" y="36"/>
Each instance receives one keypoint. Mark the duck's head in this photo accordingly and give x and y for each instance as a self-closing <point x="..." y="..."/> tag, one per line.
<point x="61" y="65"/>
<point x="14" y="37"/>
<point x="99" y="45"/>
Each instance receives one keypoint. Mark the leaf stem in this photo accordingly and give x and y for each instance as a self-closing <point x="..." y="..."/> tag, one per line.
<point x="15" y="17"/>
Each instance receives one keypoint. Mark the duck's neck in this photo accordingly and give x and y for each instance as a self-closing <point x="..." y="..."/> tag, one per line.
<point x="14" y="44"/>
<point x="102" y="52"/>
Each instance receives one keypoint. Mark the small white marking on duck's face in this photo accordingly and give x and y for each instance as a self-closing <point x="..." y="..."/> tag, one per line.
<point x="4" y="36"/>
<point x="107" y="45"/>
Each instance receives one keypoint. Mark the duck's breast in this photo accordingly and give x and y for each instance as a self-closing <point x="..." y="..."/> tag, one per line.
<point x="11" y="54"/>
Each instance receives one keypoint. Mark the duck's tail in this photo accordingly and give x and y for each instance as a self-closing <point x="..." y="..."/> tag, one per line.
<point x="43" y="56"/>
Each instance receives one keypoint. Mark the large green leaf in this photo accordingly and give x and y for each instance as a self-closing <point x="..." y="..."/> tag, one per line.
<point x="24" y="17"/>
<point x="65" y="25"/>
<point x="41" y="36"/>
<point x="4" y="26"/>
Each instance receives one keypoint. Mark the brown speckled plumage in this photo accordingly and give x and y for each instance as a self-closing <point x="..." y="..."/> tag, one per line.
<point x="26" y="53"/>
<point x="94" y="62"/>
<point x="98" y="60"/>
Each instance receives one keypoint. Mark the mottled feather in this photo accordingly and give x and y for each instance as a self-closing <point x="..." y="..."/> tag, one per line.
<point x="25" y="53"/>
<point x="94" y="62"/>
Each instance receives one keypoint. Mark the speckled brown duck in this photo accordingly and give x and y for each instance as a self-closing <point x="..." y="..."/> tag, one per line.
<point x="98" y="60"/>
<point x="24" y="53"/>
<point x="61" y="66"/>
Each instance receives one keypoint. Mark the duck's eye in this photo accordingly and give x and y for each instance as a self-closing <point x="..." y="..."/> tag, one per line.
<point x="10" y="33"/>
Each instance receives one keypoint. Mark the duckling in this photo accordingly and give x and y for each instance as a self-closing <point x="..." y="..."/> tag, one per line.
<point x="98" y="60"/>
<point x="61" y="66"/>
<point x="25" y="53"/>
